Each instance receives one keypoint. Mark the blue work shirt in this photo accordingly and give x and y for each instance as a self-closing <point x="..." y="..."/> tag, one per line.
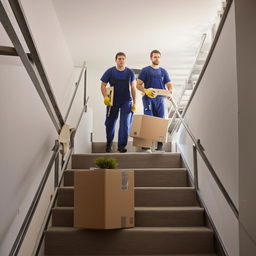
<point x="154" y="78"/>
<point x="120" y="80"/>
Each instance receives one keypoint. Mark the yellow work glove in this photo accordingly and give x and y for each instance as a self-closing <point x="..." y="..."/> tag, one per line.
<point x="149" y="93"/>
<point x="134" y="108"/>
<point x="107" y="101"/>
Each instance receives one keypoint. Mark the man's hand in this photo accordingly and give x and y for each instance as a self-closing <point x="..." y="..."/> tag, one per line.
<point x="107" y="101"/>
<point x="134" y="108"/>
<point x="149" y="93"/>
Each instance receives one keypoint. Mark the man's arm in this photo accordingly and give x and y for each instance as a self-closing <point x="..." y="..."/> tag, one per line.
<point x="169" y="86"/>
<point x="150" y="93"/>
<point x="133" y="91"/>
<point x="140" y="85"/>
<point x="104" y="89"/>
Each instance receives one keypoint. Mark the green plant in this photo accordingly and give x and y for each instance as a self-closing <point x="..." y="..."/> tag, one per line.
<point x="106" y="163"/>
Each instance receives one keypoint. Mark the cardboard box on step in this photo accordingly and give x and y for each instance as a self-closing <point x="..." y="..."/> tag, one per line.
<point x="149" y="127"/>
<point x="103" y="199"/>
<point x="139" y="142"/>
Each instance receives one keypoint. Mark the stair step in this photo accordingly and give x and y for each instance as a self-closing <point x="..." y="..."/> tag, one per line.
<point x="144" y="216"/>
<point x="100" y="147"/>
<point x="144" y="196"/>
<point x="166" y="177"/>
<point x="139" y="240"/>
<point x="130" y="160"/>
<point x="208" y="254"/>
<point x="169" y="216"/>
<point x="165" y="196"/>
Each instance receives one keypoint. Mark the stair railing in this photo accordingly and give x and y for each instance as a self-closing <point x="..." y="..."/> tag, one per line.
<point x="36" y="72"/>
<point x="58" y="176"/>
<point x="199" y="50"/>
<point x="188" y="80"/>
<point x="31" y="61"/>
<point x="75" y="91"/>
<point x="197" y="147"/>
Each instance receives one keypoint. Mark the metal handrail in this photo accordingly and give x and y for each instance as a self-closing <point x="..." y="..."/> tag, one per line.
<point x="44" y="90"/>
<point x="204" y="35"/>
<point x="37" y="81"/>
<point x="82" y="112"/>
<point x="54" y="197"/>
<point x="189" y="77"/>
<point x="200" y="149"/>
<point x="25" y="225"/>
<point x="39" y="241"/>
<point x="216" y="38"/>
<point x="75" y="91"/>
<point x="8" y="51"/>
<point x="24" y="28"/>
<point x="21" y="235"/>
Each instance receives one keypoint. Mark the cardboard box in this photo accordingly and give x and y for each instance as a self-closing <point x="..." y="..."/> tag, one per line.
<point x="161" y="92"/>
<point x="149" y="127"/>
<point x="139" y="142"/>
<point x="104" y="199"/>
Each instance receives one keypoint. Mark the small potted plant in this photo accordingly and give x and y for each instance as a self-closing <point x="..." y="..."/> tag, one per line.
<point x="106" y="163"/>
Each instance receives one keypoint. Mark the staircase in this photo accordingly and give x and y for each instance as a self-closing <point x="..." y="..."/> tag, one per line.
<point x="168" y="217"/>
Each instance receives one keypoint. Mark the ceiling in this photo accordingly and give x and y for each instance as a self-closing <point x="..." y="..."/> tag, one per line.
<point x="95" y="29"/>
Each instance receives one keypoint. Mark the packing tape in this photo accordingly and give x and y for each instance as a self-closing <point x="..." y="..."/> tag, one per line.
<point x="123" y="221"/>
<point x="124" y="180"/>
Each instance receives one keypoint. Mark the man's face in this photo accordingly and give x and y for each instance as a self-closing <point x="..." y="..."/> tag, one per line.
<point x="120" y="61"/>
<point x="156" y="58"/>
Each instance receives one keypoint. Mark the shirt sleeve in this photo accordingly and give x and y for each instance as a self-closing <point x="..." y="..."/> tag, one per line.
<point x="132" y="75"/>
<point x="106" y="76"/>
<point x="166" y="77"/>
<point x="143" y="75"/>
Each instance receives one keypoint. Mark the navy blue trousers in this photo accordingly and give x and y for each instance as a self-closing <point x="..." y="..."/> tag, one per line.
<point x="153" y="107"/>
<point x="124" y="125"/>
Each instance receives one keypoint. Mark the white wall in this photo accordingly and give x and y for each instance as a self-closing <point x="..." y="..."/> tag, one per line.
<point x="52" y="47"/>
<point x="83" y="134"/>
<point x="220" y="212"/>
<point x="246" y="67"/>
<point x="212" y="117"/>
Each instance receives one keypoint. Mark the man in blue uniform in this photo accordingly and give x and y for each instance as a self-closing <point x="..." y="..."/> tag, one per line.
<point x="154" y="76"/>
<point x="123" y="81"/>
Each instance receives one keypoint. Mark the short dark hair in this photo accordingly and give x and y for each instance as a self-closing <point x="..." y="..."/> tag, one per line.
<point x="154" y="51"/>
<point x="120" y="54"/>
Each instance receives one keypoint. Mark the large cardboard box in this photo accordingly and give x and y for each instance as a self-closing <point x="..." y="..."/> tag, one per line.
<point x="149" y="127"/>
<point x="139" y="142"/>
<point x="104" y="199"/>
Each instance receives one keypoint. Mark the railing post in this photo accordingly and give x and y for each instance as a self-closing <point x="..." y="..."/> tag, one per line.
<point x="85" y="100"/>
<point x="56" y="165"/>
<point x="195" y="167"/>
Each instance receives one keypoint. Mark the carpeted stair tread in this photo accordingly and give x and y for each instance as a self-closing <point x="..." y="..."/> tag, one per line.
<point x="144" y="216"/>
<point x="144" y="255"/>
<point x="144" y="196"/>
<point x="147" y="177"/>
<point x="129" y="160"/>
<point x="138" y="240"/>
